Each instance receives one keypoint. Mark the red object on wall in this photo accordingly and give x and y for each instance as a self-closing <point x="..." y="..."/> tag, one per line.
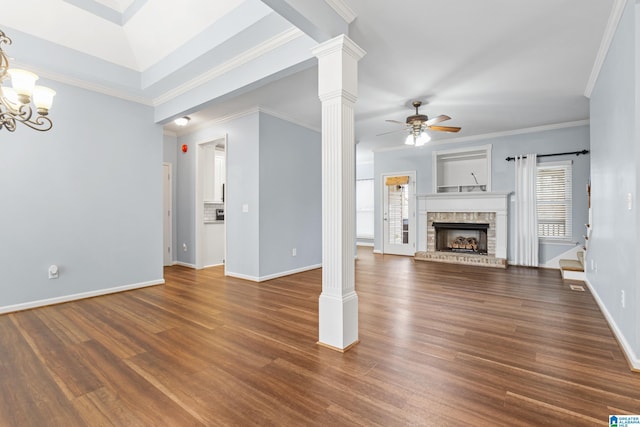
<point x="184" y="148"/>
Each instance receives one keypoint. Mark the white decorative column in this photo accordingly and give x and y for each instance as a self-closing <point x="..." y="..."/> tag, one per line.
<point x="338" y="90"/>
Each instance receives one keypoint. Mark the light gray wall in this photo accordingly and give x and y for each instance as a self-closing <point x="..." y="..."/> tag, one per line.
<point x="86" y="196"/>
<point x="185" y="177"/>
<point x="170" y="155"/>
<point x="502" y="174"/>
<point x="263" y="152"/>
<point x="613" y="248"/>
<point x="242" y="187"/>
<point x="290" y="196"/>
<point x="364" y="170"/>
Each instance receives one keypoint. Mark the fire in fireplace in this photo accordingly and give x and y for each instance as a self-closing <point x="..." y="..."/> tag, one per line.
<point x="463" y="237"/>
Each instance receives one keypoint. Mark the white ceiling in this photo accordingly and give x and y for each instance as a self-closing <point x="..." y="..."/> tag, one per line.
<point x="492" y="65"/>
<point x="117" y="5"/>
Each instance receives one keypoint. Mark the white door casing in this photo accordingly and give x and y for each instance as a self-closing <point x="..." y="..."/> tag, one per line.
<point x="167" y="214"/>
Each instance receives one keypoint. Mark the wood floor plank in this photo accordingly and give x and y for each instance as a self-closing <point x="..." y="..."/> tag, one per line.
<point x="29" y="395"/>
<point x="440" y="344"/>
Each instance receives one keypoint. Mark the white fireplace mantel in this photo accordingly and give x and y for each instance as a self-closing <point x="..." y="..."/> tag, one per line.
<point x="476" y="201"/>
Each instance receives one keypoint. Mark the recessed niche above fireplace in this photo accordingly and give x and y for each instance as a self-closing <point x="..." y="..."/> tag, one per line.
<point x="462" y="170"/>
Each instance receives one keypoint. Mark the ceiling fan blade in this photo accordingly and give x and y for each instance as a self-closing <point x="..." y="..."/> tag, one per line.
<point x="395" y="121"/>
<point x="393" y="131"/>
<point x="445" y="128"/>
<point x="438" y="119"/>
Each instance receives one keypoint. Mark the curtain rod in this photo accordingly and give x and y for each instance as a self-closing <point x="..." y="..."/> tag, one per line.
<point x="577" y="153"/>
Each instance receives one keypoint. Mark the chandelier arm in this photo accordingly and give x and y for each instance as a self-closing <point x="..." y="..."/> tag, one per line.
<point x="7" y="121"/>
<point x="39" y="123"/>
<point x="9" y="118"/>
<point x="4" y="60"/>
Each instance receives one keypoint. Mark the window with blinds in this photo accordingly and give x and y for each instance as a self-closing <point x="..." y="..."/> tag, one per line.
<point x="364" y="208"/>
<point x="554" y="200"/>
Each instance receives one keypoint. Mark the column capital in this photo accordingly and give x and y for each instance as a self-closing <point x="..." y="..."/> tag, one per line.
<point x="342" y="43"/>
<point x="338" y="67"/>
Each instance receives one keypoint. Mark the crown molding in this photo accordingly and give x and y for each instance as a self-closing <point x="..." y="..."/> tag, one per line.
<point x="217" y="121"/>
<point x="84" y="84"/>
<point x="535" y="129"/>
<point x="342" y="9"/>
<point x="287" y="118"/>
<point x="612" y="25"/>
<point x="253" y="110"/>
<point x="247" y="56"/>
<point x="239" y="60"/>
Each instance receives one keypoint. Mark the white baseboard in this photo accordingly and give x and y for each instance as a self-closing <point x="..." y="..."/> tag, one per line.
<point x="241" y="276"/>
<point x="376" y="251"/>
<point x="213" y="265"/>
<point x="632" y="358"/>
<point x="184" y="264"/>
<point x="74" y="297"/>
<point x="272" y="276"/>
<point x="367" y="244"/>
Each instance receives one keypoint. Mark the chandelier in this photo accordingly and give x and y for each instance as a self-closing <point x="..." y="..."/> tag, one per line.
<point x="15" y="101"/>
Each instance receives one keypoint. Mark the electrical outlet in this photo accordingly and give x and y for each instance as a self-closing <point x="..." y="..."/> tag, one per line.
<point x="184" y="247"/>
<point x="622" y="299"/>
<point x="54" y="272"/>
<point x="294" y="252"/>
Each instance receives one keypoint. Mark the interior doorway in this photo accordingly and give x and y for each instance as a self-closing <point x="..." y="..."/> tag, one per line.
<point x="167" y="214"/>
<point x="399" y="213"/>
<point x="210" y="195"/>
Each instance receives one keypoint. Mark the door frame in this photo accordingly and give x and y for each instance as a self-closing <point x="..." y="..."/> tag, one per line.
<point x="411" y="246"/>
<point x="167" y="200"/>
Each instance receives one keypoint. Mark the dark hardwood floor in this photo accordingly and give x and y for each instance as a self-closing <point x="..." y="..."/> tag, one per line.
<point x="441" y="345"/>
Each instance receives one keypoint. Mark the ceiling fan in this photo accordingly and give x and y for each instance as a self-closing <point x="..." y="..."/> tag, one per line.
<point x="418" y="124"/>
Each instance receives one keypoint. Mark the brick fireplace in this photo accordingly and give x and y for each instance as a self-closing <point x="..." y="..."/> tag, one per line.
<point x="466" y="228"/>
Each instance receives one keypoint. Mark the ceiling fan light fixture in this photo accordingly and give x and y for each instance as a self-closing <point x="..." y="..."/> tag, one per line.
<point x="410" y="140"/>
<point x="422" y="139"/>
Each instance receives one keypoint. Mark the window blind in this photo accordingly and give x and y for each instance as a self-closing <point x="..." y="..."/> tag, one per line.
<point x="554" y="200"/>
<point x="364" y="209"/>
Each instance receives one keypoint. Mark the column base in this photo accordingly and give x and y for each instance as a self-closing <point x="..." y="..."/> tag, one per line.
<point x="341" y="350"/>
<point x="338" y="321"/>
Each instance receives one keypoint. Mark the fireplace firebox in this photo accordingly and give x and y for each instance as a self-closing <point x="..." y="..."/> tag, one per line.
<point x="464" y="237"/>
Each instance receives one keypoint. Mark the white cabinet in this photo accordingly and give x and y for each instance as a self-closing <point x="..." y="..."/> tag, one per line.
<point x="462" y="170"/>
<point x="219" y="175"/>
<point x="214" y="174"/>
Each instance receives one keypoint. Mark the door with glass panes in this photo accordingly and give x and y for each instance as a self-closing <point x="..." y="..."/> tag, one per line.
<point x="398" y="215"/>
